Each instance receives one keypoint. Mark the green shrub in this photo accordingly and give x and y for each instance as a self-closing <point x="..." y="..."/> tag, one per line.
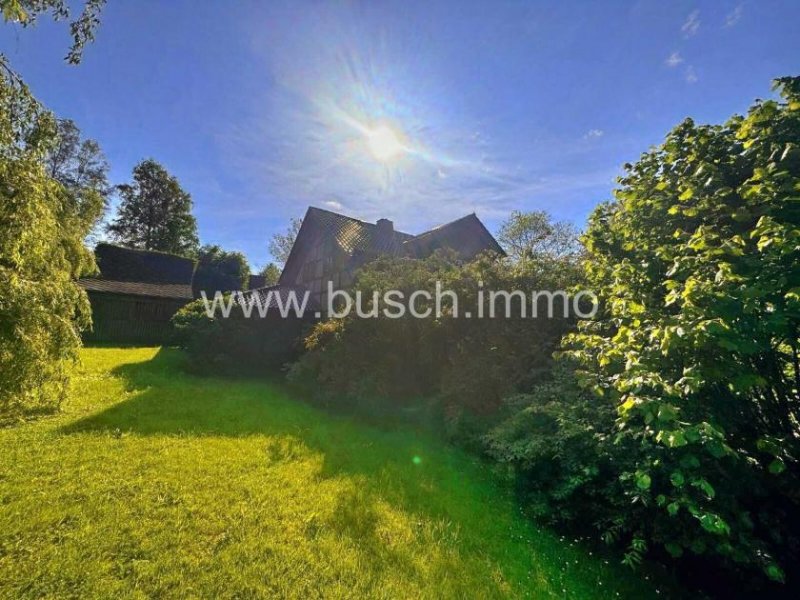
<point x="42" y="227"/>
<point x="236" y="345"/>
<point x="558" y="440"/>
<point x="696" y="345"/>
<point x="455" y="367"/>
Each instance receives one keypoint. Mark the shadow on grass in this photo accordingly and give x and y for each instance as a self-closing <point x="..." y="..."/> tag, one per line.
<point x="166" y="400"/>
<point x="449" y="491"/>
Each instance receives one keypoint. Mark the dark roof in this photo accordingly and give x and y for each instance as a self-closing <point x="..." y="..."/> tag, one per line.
<point x="467" y="236"/>
<point x="144" y="266"/>
<point x="134" y="288"/>
<point x="141" y="273"/>
<point x="352" y="235"/>
<point x="256" y="281"/>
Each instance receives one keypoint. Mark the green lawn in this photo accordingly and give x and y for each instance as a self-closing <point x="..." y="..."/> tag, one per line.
<point x="151" y="482"/>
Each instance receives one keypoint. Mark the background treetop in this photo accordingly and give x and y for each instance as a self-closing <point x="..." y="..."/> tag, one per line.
<point x="155" y="212"/>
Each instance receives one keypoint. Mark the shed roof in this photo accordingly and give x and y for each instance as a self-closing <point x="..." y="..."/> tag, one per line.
<point x="177" y="291"/>
<point x="141" y="273"/>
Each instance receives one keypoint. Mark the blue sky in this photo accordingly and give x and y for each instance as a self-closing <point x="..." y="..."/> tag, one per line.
<point x="263" y="109"/>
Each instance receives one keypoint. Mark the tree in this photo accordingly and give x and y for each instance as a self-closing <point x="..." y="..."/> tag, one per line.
<point x="82" y="29"/>
<point x="155" y="213"/>
<point x="41" y="254"/>
<point x="80" y="166"/>
<point x="220" y="270"/>
<point x="281" y="243"/>
<point x="528" y="234"/>
<point x="271" y="273"/>
<point x="697" y="266"/>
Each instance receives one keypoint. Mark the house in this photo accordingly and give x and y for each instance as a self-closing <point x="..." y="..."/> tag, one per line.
<point x="136" y="294"/>
<point x="331" y="247"/>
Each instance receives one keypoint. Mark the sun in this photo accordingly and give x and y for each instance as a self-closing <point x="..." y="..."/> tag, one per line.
<point x="384" y="143"/>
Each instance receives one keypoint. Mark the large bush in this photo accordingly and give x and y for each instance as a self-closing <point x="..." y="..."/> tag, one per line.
<point x="558" y="440"/>
<point x="42" y="226"/>
<point x="697" y="263"/>
<point x="236" y="345"/>
<point x="459" y="368"/>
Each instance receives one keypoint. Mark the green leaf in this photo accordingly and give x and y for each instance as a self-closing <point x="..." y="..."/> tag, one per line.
<point x="777" y="466"/>
<point x="775" y="573"/>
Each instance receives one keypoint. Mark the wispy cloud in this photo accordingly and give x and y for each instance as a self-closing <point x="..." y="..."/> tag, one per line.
<point x="593" y="133"/>
<point x="691" y="25"/>
<point x="733" y="17"/>
<point x="690" y="74"/>
<point x="333" y="205"/>
<point x="673" y="60"/>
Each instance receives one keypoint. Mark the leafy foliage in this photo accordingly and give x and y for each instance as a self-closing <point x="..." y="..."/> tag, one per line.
<point x="80" y="166"/>
<point x="271" y="273"/>
<point x="82" y="29"/>
<point x="534" y="234"/>
<point x="155" y="212"/>
<point x="557" y="440"/>
<point x="41" y="253"/>
<point x="696" y="263"/>
<point x="220" y="270"/>
<point x="236" y="345"/>
<point x="281" y="243"/>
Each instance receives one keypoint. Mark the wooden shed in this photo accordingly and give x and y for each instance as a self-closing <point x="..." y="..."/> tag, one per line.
<point x="136" y="294"/>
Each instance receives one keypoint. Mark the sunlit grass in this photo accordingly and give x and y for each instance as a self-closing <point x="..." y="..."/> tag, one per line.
<point x="154" y="483"/>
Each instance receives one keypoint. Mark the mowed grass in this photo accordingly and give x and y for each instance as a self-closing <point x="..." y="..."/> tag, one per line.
<point x="155" y="483"/>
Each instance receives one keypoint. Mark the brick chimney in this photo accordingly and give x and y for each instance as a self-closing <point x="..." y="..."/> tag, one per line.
<point x="385" y="226"/>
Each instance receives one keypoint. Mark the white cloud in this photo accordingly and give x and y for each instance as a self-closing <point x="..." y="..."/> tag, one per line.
<point x="333" y="204"/>
<point x="692" y="24"/>
<point x="673" y="60"/>
<point x="691" y="74"/>
<point x="734" y="16"/>
<point x="593" y="133"/>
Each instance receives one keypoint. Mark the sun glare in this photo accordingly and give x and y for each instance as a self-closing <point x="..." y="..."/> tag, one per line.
<point x="384" y="143"/>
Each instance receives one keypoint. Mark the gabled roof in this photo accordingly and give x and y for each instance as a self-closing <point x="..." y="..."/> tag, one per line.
<point x="351" y="235"/>
<point x="467" y="236"/>
<point x="141" y="273"/>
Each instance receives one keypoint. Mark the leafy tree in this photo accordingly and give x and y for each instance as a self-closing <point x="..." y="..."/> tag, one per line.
<point x="281" y="243"/>
<point x="271" y="273"/>
<point x="80" y="166"/>
<point x="696" y="345"/>
<point x="82" y="29"/>
<point x="534" y="234"/>
<point x="155" y="213"/>
<point x="41" y="253"/>
<point x="220" y="270"/>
